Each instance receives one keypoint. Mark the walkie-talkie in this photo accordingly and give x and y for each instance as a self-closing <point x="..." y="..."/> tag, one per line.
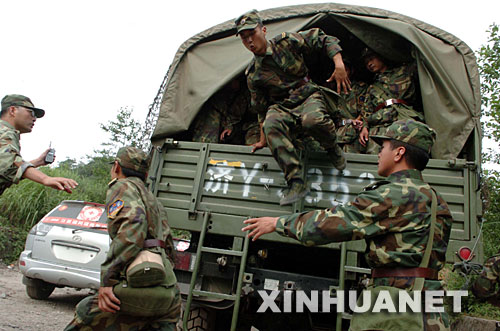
<point x="49" y="158"/>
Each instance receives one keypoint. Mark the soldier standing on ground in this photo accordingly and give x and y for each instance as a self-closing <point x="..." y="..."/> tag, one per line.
<point x="391" y="97"/>
<point x="486" y="285"/>
<point x="285" y="99"/>
<point x="18" y="116"/>
<point x="134" y="217"/>
<point x="393" y="215"/>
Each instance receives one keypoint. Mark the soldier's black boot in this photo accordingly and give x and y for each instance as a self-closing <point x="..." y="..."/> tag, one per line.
<point x="337" y="157"/>
<point x="296" y="190"/>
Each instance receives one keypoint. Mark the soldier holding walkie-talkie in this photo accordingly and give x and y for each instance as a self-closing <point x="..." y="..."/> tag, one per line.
<point x="18" y="116"/>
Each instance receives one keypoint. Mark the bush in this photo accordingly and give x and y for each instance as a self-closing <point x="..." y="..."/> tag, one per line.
<point x="26" y="203"/>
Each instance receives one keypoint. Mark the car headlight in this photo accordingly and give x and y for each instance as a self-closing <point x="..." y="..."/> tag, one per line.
<point x="41" y="229"/>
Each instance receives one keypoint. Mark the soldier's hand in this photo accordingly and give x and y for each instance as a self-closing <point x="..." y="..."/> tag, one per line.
<point x="226" y="133"/>
<point x="260" y="226"/>
<point x="363" y="136"/>
<point x="60" y="183"/>
<point x="107" y="300"/>
<point x="40" y="161"/>
<point x="357" y="124"/>
<point x="259" y="145"/>
<point x="343" y="81"/>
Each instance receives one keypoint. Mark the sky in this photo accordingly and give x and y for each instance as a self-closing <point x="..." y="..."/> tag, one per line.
<point x="82" y="61"/>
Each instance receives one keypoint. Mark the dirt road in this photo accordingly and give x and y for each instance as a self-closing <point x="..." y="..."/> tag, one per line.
<point x="19" y="312"/>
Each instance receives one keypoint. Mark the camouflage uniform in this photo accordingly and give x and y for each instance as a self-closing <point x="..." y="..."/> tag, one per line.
<point x="347" y="135"/>
<point x="12" y="165"/>
<point x="393" y="83"/>
<point x="286" y="101"/>
<point x="394" y="216"/>
<point x="225" y="110"/>
<point x="133" y="216"/>
<point x="485" y="286"/>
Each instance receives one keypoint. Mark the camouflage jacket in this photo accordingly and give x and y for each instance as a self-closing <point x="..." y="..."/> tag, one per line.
<point x="394" y="83"/>
<point x="233" y="110"/>
<point x="393" y="216"/>
<point x="272" y="78"/>
<point x="485" y="286"/>
<point x="134" y="215"/>
<point x="12" y="165"/>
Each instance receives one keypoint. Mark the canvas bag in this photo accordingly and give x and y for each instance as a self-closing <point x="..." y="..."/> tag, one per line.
<point x="384" y="320"/>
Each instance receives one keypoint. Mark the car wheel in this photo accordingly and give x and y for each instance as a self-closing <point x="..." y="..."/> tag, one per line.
<point x="201" y="319"/>
<point x="39" y="289"/>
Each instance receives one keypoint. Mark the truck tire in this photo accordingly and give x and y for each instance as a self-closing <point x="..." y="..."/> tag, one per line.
<point x="39" y="290"/>
<point x="201" y="319"/>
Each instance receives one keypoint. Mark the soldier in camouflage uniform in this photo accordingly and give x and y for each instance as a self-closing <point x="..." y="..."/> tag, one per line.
<point x="18" y="116"/>
<point x="134" y="215"/>
<point x="286" y="101"/>
<point x="486" y="285"/>
<point x="391" y="97"/>
<point x="225" y="115"/>
<point x="350" y="124"/>
<point x="393" y="215"/>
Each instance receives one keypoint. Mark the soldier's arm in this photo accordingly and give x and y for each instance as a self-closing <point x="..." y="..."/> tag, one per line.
<point x="12" y="165"/>
<point x="357" y="220"/>
<point x="132" y="230"/>
<point x="167" y="235"/>
<point x="316" y="40"/>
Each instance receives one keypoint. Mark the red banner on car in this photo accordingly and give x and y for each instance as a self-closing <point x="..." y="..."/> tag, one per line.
<point x="75" y="222"/>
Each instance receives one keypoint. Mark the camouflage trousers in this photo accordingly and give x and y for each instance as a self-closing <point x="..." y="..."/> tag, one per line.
<point x="88" y="317"/>
<point x="282" y="126"/>
<point x="348" y="139"/>
<point x="252" y="134"/>
<point x="372" y="147"/>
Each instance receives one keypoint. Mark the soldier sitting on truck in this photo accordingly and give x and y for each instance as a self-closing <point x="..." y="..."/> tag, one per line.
<point x="395" y="218"/>
<point x="286" y="100"/>
<point x="390" y="97"/>
<point x="225" y="117"/>
<point x="350" y="124"/>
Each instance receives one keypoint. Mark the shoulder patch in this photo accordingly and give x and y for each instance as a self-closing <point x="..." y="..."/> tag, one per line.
<point x="376" y="185"/>
<point x="280" y="37"/>
<point x="114" y="208"/>
<point x="249" y="67"/>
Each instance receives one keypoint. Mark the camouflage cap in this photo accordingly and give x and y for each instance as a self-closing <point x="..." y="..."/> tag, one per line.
<point x="20" y="100"/>
<point x="248" y="21"/>
<point x="410" y="132"/>
<point x="133" y="158"/>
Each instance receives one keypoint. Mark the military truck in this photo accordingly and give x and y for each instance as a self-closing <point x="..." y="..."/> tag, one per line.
<point x="210" y="189"/>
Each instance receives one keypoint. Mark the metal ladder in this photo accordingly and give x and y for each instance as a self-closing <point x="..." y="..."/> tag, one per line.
<point x="234" y="297"/>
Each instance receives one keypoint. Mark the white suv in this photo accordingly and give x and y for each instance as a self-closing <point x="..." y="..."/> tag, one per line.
<point x="66" y="248"/>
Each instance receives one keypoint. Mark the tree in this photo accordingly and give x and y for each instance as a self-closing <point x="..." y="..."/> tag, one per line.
<point x="489" y="68"/>
<point x="124" y="131"/>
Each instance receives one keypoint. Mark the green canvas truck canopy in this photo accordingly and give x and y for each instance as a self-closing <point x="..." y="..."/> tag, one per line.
<point x="447" y="69"/>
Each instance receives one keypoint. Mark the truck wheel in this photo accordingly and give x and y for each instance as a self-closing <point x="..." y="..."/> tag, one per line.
<point x="201" y="319"/>
<point x="39" y="290"/>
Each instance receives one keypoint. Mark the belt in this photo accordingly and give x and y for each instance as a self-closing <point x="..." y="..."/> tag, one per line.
<point x="389" y="102"/>
<point x="405" y="272"/>
<point x="149" y="243"/>
<point x="343" y="122"/>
